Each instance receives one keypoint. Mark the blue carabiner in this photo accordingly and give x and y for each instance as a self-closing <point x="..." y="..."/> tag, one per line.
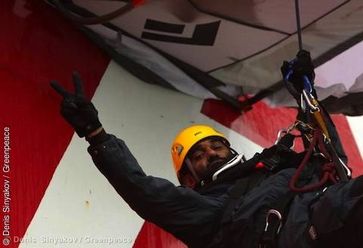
<point x="287" y="76"/>
<point x="307" y="85"/>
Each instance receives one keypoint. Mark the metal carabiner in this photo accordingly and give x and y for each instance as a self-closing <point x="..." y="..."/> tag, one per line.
<point x="276" y="213"/>
<point x="307" y="84"/>
<point x="327" y="141"/>
<point x="280" y="134"/>
<point x="313" y="108"/>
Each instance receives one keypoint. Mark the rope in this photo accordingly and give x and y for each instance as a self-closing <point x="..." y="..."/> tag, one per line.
<point x="96" y="19"/>
<point x="329" y="169"/>
<point x="298" y="25"/>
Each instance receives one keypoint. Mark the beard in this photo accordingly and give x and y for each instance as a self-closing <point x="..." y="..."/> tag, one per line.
<point x="214" y="165"/>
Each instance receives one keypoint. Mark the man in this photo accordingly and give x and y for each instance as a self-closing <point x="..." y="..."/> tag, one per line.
<point x="225" y="201"/>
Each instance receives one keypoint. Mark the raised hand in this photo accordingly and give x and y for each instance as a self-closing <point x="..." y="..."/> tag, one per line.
<point x="79" y="112"/>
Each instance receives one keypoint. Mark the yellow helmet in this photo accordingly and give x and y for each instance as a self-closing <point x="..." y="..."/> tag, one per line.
<point x="189" y="137"/>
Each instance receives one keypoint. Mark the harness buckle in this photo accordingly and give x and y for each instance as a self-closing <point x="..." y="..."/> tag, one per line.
<point x="270" y="164"/>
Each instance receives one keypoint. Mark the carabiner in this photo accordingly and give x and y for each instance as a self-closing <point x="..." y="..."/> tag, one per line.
<point x="276" y="213"/>
<point x="313" y="108"/>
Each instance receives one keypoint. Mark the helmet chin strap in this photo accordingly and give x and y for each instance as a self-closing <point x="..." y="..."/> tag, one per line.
<point x="192" y="170"/>
<point x="236" y="159"/>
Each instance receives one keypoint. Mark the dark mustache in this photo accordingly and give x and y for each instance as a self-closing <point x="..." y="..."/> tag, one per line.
<point x="212" y="161"/>
<point x="214" y="164"/>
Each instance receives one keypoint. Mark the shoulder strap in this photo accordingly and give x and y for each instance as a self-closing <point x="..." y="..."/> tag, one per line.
<point x="241" y="187"/>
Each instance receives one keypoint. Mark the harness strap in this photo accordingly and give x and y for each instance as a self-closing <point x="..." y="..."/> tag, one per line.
<point x="241" y="187"/>
<point x="253" y="172"/>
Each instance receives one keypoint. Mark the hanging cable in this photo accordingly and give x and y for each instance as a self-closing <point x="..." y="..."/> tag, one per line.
<point x="298" y="25"/>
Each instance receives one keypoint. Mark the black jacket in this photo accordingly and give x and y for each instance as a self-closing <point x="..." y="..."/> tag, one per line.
<point x="195" y="217"/>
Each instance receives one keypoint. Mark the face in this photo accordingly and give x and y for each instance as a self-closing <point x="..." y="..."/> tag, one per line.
<point x="208" y="155"/>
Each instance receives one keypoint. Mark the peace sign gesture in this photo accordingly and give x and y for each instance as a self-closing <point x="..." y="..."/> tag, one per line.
<point x="77" y="86"/>
<point x="76" y="109"/>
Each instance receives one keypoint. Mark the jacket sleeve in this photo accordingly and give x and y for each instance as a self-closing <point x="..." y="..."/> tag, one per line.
<point x="180" y="211"/>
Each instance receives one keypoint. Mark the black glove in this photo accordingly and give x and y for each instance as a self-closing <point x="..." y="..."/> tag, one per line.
<point x="76" y="109"/>
<point x="298" y="68"/>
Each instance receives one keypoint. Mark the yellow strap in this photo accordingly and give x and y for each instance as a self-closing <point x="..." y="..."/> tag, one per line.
<point x="319" y="119"/>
